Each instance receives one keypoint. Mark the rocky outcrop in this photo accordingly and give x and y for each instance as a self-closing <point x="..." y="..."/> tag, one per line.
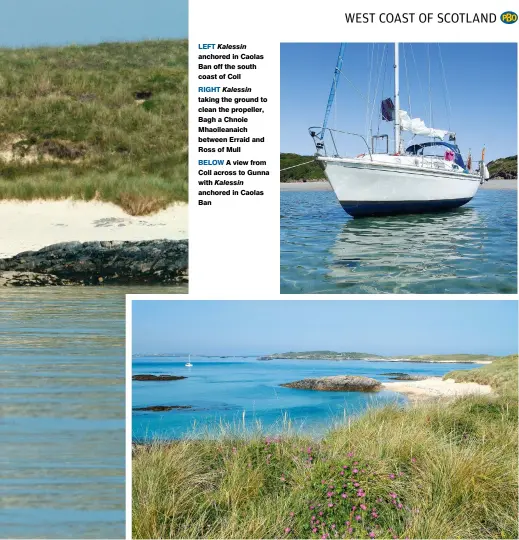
<point x="110" y="262"/>
<point x="162" y="408"/>
<point x="405" y="377"/>
<point x="30" y="279"/>
<point x="147" y="377"/>
<point x="338" y="383"/>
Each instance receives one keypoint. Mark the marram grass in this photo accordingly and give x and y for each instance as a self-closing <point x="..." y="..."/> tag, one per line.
<point x="105" y="122"/>
<point x="427" y="471"/>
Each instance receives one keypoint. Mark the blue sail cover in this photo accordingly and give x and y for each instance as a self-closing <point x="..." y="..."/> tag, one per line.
<point x="415" y="148"/>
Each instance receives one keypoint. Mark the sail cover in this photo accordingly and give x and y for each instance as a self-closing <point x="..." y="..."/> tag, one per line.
<point x="418" y="127"/>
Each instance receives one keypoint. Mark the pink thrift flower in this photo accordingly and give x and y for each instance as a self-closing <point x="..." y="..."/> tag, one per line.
<point x="333" y="525"/>
<point x="330" y="505"/>
<point x="311" y="507"/>
<point x="350" y="454"/>
<point x="392" y="476"/>
<point x="358" y="518"/>
<point x="364" y="507"/>
<point x="400" y="505"/>
<point x="320" y="513"/>
<point x="372" y="534"/>
<point x="330" y="493"/>
<point x="355" y="463"/>
<point x="287" y="530"/>
<point x="356" y="484"/>
<point x="392" y="495"/>
<point x="314" y="530"/>
<point x="344" y="495"/>
<point x="379" y="500"/>
<point x="282" y="478"/>
<point x="355" y="471"/>
<point x="350" y="530"/>
<point x="342" y="473"/>
<point x="347" y="523"/>
<point x="413" y="460"/>
<point x="291" y="514"/>
<point x="313" y="518"/>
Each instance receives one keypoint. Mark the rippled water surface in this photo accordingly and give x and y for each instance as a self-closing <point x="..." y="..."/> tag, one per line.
<point x="62" y="413"/>
<point x="472" y="249"/>
<point x="246" y="391"/>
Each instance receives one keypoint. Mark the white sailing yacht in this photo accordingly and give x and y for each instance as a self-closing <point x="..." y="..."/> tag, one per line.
<point x="405" y="181"/>
<point x="188" y="364"/>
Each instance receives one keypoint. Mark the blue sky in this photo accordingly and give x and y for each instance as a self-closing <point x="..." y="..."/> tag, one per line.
<point x="28" y="23"/>
<point x="481" y="83"/>
<point x="380" y="327"/>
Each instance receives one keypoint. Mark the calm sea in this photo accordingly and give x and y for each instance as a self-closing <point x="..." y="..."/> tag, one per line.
<point x="62" y="413"/>
<point x="245" y="389"/>
<point x="469" y="250"/>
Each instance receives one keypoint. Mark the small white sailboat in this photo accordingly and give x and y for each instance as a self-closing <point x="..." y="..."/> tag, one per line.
<point x="188" y="364"/>
<point x="406" y="181"/>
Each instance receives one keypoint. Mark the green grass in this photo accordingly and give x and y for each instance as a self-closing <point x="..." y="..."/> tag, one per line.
<point x="430" y="471"/>
<point x="311" y="171"/>
<point x="501" y="374"/>
<point x="503" y="168"/>
<point x="73" y="126"/>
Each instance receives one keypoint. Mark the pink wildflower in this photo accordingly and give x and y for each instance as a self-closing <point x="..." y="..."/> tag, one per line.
<point x="283" y="479"/>
<point x="350" y="530"/>
<point x="372" y="534"/>
<point x="344" y="495"/>
<point x="392" y="476"/>
<point x="320" y="513"/>
<point x="314" y="530"/>
<point x="355" y="471"/>
<point x="350" y="454"/>
<point x="333" y="525"/>
<point x="413" y="460"/>
<point x="392" y="495"/>
<point x="330" y="505"/>
<point x="400" y="505"/>
<point x="342" y="473"/>
<point x="287" y="530"/>
<point x="291" y="514"/>
<point x="330" y="493"/>
<point x="356" y="484"/>
<point x="364" y="507"/>
<point x="358" y="518"/>
<point x="347" y="522"/>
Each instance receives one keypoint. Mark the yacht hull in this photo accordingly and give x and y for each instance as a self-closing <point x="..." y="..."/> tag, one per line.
<point x="366" y="188"/>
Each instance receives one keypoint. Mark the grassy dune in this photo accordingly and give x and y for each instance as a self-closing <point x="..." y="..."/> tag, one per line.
<point x="427" y="471"/>
<point x="501" y="374"/>
<point x="106" y="122"/>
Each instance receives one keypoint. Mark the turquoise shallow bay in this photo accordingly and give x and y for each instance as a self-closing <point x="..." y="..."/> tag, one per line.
<point x="469" y="250"/>
<point x="221" y="390"/>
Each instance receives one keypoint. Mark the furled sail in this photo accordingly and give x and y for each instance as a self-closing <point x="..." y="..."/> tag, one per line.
<point x="418" y="127"/>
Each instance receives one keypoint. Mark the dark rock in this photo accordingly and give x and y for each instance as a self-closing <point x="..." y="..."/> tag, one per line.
<point x="109" y="262"/>
<point x="31" y="279"/>
<point x="161" y="408"/>
<point x="405" y="377"/>
<point x="338" y="383"/>
<point x="146" y="377"/>
<point x="143" y="94"/>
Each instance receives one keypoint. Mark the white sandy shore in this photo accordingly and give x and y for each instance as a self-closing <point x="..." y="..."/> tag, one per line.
<point x="32" y="225"/>
<point x="435" y="387"/>
<point x="325" y="185"/>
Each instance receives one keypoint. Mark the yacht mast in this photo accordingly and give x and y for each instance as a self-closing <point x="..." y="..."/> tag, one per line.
<point x="397" y="104"/>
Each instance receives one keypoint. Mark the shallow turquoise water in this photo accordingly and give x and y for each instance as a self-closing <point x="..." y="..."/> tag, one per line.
<point x="472" y="249"/>
<point x="62" y="413"/>
<point x="223" y="390"/>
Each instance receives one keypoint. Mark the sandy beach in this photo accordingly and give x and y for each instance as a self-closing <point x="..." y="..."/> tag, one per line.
<point x="435" y="387"/>
<point x="325" y="185"/>
<point x="32" y="225"/>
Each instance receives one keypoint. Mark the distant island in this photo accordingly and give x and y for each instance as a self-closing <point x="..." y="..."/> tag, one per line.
<point x="500" y="168"/>
<point x="333" y="355"/>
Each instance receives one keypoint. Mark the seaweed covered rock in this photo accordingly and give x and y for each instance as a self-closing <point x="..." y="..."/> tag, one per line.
<point x="337" y="383"/>
<point x="147" y="377"/>
<point x="109" y="262"/>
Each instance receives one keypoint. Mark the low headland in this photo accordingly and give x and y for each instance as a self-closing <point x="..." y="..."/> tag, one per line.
<point x="434" y="469"/>
<point x="333" y="355"/>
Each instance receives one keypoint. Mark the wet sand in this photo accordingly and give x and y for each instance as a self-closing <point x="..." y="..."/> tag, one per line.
<point x="325" y="185"/>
